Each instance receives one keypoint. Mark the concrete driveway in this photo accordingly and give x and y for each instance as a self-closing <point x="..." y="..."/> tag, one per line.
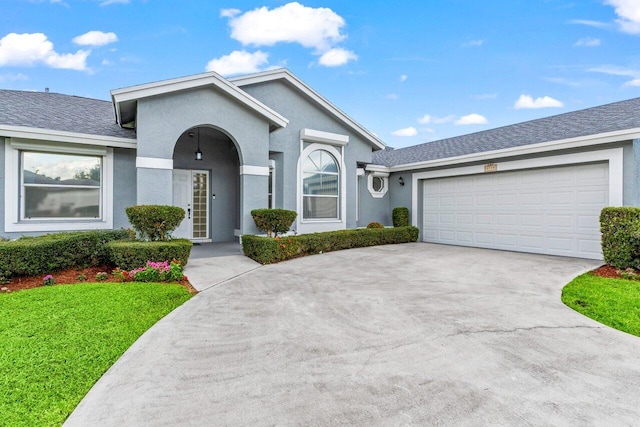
<point x="403" y="334"/>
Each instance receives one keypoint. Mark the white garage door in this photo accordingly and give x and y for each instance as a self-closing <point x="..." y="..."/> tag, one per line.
<point x="551" y="211"/>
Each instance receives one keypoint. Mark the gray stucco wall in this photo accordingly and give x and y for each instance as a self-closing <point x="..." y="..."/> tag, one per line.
<point x="370" y="208"/>
<point x="304" y="113"/>
<point x="2" y="185"/>
<point x="163" y="119"/>
<point x="124" y="185"/>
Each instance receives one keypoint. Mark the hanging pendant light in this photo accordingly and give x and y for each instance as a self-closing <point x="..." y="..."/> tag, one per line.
<point x="198" y="152"/>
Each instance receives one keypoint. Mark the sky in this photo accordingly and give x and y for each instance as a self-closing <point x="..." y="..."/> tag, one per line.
<point x="409" y="71"/>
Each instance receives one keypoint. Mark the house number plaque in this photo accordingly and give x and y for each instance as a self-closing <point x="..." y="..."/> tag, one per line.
<point x="491" y="167"/>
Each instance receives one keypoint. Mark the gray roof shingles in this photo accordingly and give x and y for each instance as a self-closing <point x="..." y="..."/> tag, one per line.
<point x="591" y="121"/>
<point x="54" y="111"/>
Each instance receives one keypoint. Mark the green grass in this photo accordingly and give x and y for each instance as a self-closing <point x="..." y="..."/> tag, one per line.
<point x="56" y="342"/>
<point x="614" y="302"/>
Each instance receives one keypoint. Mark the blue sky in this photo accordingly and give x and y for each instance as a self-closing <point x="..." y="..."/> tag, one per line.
<point x="410" y="71"/>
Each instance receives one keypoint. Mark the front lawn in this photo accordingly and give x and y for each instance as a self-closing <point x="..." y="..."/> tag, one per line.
<point x="614" y="302"/>
<point x="56" y="342"/>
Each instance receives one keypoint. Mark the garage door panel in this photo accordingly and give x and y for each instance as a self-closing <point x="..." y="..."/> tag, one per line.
<point x="553" y="210"/>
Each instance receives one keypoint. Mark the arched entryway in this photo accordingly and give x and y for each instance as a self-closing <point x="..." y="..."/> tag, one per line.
<point x="206" y="184"/>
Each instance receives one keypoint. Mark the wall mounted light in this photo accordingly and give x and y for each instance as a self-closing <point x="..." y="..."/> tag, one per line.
<point x="198" y="152"/>
<point x="401" y="181"/>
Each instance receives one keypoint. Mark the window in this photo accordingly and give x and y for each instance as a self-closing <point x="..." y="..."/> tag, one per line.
<point x="55" y="186"/>
<point x="320" y="186"/>
<point x="52" y="186"/>
<point x="378" y="183"/>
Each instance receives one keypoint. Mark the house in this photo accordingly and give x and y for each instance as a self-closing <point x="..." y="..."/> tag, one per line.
<point x="221" y="147"/>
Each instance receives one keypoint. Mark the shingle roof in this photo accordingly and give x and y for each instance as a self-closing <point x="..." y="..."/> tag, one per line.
<point x="591" y="121"/>
<point x="55" y="111"/>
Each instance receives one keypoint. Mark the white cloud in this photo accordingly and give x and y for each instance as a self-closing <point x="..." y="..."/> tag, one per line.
<point x="471" y="119"/>
<point x="410" y="131"/>
<point x="615" y="70"/>
<point x="473" y="43"/>
<point x="392" y="96"/>
<point x="403" y="78"/>
<point x="32" y="49"/>
<point x="527" y="102"/>
<point x="588" y="42"/>
<point x="95" y="38"/>
<point x="628" y="12"/>
<point x="589" y="23"/>
<point x="634" y="82"/>
<point x="424" y="119"/>
<point x="336" y="57"/>
<point x="317" y="28"/>
<point x="239" y="62"/>
<point x="229" y="13"/>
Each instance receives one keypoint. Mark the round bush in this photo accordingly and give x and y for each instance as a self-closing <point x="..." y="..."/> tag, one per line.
<point x="155" y="222"/>
<point x="375" y="225"/>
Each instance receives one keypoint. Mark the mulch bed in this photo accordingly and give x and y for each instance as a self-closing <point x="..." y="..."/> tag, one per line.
<point x="607" y="271"/>
<point x="70" y="276"/>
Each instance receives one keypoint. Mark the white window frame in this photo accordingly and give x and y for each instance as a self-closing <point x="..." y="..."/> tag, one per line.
<point x="384" y="176"/>
<point x="317" y="225"/>
<point x="13" y="208"/>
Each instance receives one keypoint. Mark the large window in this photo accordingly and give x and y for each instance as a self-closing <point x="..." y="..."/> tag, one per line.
<point x="320" y="186"/>
<point x="56" y="186"/>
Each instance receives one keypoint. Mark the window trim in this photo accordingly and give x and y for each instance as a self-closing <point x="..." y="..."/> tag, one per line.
<point x="271" y="196"/>
<point x="13" y="182"/>
<point x="336" y="152"/>
<point x="385" y="184"/>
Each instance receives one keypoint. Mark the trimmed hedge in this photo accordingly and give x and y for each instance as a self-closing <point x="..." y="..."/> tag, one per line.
<point x="267" y="250"/>
<point x="620" y="227"/>
<point x="29" y="256"/>
<point x="400" y="216"/>
<point x="375" y="224"/>
<point x="128" y="255"/>
<point x="273" y="221"/>
<point x="155" y="222"/>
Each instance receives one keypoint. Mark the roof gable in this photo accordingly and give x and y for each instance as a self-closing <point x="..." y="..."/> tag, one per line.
<point x="286" y="75"/>
<point x="125" y="99"/>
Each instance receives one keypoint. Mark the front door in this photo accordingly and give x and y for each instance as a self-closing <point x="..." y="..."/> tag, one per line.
<point x="191" y="193"/>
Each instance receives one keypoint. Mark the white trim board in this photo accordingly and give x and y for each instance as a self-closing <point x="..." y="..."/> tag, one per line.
<point x="254" y="170"/>
<point x="543" y="147"/>
<point x="311" y="135"/>
<point x="283" y="73"/>
<point x="613" y="155"/>
<point x="153" y="163"/>
<point x="48" y="135"/>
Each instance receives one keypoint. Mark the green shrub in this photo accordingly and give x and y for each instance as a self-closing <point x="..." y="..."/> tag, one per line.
<point x="375" y="225"/>
<point x="30" y="256"/>
<point x="267" y="250"/>
<point x="620" y="227"/>
<point x="400" y="216"/>
<point x="129" y="255"/>
<point x="155" y="222"/>
<point x="273" y="221"/>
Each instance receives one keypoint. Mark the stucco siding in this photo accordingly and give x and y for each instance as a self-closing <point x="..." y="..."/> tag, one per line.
<point x="124" y="185"/>
<point x="304" y="113"/>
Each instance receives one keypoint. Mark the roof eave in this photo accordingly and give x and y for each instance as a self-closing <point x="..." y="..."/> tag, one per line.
<point x="542" y="147"/>
<point x="211" y="78"/>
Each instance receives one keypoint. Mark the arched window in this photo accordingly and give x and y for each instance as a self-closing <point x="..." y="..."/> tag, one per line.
<point x="320" y="186"/>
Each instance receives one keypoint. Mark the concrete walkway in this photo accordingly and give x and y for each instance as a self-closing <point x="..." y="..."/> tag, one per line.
<point x="213" y="263"/>
<point x="403" y="334"/>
